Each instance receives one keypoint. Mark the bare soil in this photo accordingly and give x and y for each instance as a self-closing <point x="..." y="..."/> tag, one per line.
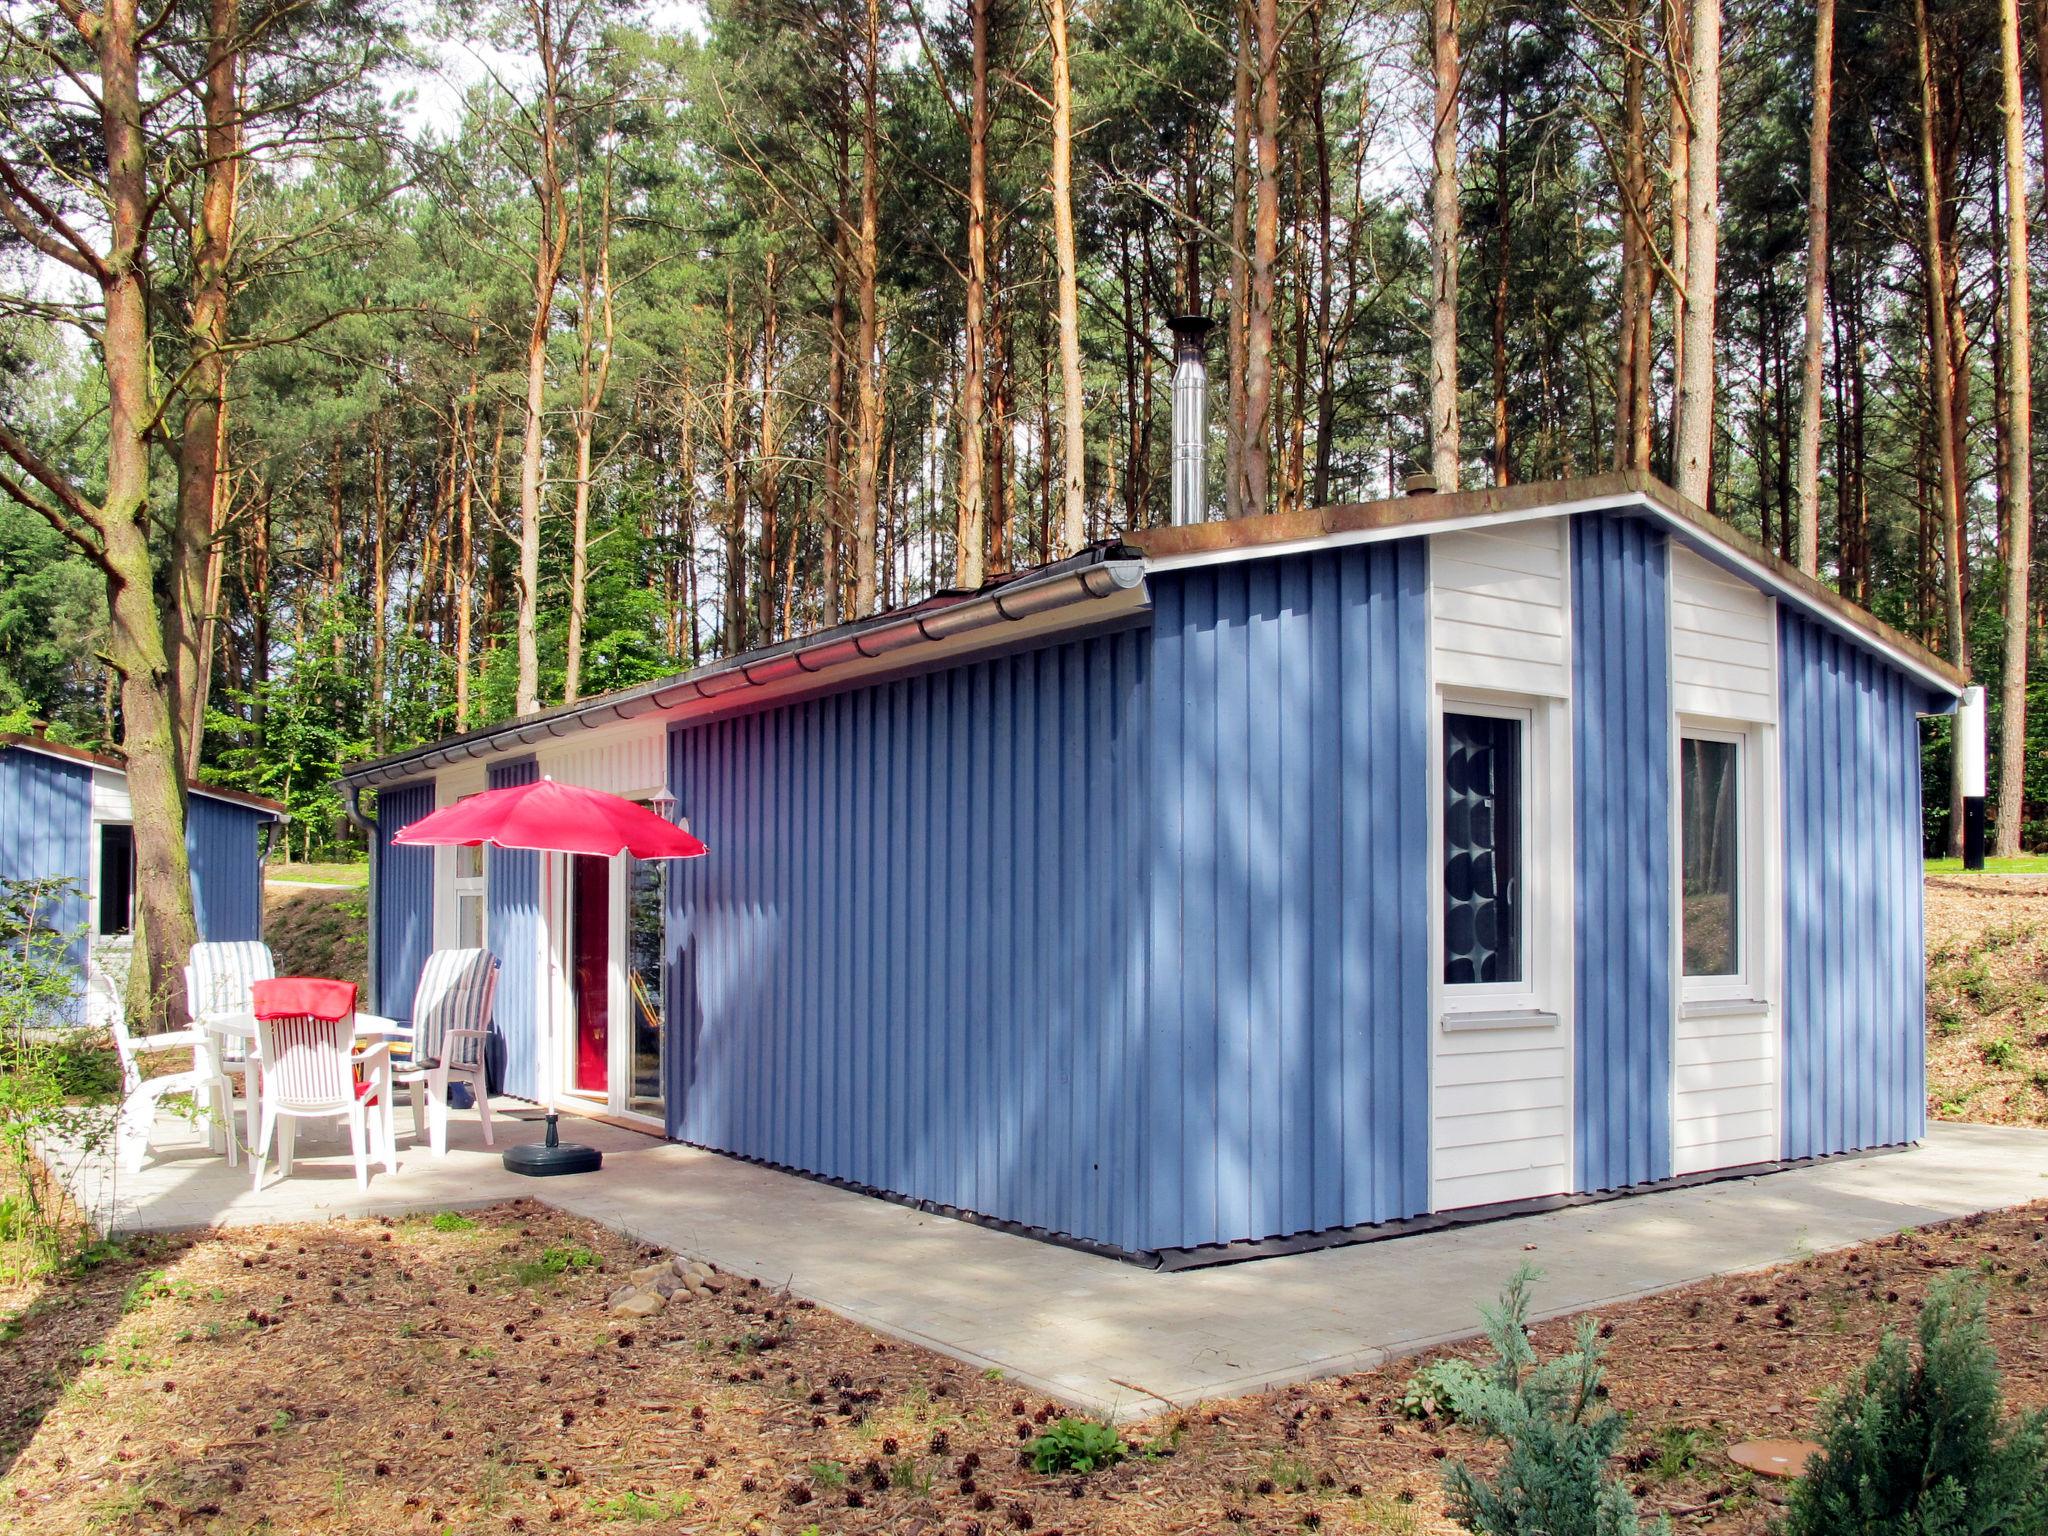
<point x="318" y="931"/>
<point x="1987" y="999"/>
<point x="464" y="1376"/>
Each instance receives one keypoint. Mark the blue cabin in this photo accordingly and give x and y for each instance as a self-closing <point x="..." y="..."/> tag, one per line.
<point x="66" y="812"/>
<point x="1285" y="879"/>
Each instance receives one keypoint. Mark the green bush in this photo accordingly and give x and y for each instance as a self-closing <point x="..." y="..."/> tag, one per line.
<point x="54" y="1083"/>
<point x="1554" y="1479"/>
<point x="1918" y="1447"/>
<point x="1077" y="1445"/>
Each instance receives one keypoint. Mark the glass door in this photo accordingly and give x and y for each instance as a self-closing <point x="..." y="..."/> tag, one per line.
<point x="644" y="1049"/>
<point x="590" y="929"/>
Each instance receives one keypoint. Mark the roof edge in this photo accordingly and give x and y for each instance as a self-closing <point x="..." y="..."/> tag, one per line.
<point x="120" y="766"/>
<point x="1103" y="571"/>
<point x="1196" y="543"/>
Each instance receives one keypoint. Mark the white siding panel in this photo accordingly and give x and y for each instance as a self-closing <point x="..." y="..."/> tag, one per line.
<point x="1724" y="643"/>
<point x="1498" y="604"/>
<point x="110" y="796"/>
<point x="1503" y="1121"/>
<point x="624" y="759"/>
<point x="1725" y="1088"/>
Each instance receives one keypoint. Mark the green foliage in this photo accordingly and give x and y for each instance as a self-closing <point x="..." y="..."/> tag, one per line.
<point x="1429" y="1391"/>
<point x="54" y="1082"/>
<point x="1919" y="1446"/>
<point x="1554" y="1479"/>
<point x="1077" y="1445"/>
<point x="451" y="1221"/>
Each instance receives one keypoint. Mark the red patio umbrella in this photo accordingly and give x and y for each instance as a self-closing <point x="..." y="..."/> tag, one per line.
<point x="547" y="817"/>
<point x="553" y="818"/>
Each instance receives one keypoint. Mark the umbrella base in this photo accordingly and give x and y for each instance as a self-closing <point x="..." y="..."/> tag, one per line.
<point x="552" y="1157"/>
<point x="545" y="1162"/>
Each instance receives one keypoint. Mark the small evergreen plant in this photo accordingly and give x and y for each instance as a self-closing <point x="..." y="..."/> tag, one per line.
<point x="1919" y="1447"/>
<point x="1554" y="1480"/>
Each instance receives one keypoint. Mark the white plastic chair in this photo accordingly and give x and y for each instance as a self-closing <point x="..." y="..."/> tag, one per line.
<point x="219" y="976"/>
<point x="141" y="1096"/>
<point x="451" y="1030"/>
<point x="309" y="1074"/>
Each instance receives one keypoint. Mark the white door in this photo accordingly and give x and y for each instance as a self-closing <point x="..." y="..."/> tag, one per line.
<point x="1725" y="1047"/>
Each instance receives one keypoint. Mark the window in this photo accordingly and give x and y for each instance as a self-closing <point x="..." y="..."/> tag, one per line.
<point x="1483" y="757"/>
<point x="117" y="878"/>
<point x="469" y="897"/>
<point x="1710" y="823"/>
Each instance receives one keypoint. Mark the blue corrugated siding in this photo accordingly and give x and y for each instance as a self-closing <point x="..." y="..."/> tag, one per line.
<point x="46" y="829"/>
<point x="1621" y="751"/>
<point x="1855" y="977"/>
<point x="405" y="897"/>
<point x="904" y="962"/>
<point x="224" y="844"/>
<point x="512" y="929"/>
<point x="958" y="938"/>
<point x="1286" y="1071"/>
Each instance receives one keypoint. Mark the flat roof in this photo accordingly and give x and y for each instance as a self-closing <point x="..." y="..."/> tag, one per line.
<point x="116" y="765"/>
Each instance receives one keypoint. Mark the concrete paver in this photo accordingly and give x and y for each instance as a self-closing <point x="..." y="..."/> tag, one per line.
<point x="1105" y="1336"/>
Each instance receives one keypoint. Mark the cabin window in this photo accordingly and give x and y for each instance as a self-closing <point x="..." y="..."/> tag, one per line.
<point x="1710" y="835"/>
<point x="469" y="897"/>
<point x="117" y="878"/>
<point x="1483" y="756"/>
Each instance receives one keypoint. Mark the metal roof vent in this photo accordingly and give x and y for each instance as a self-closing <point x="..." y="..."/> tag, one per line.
<point x="1190" y="418"/>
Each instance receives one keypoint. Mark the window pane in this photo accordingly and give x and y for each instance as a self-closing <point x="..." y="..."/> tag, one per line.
<point x="469" y="922"/>
<point x="469" y="862"/>
<point x="1708" y="815"/>
<point x="1482" y="849"/>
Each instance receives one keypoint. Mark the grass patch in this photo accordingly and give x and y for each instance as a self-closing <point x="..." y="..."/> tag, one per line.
<point x="632" y="1505"/>
<point x="319" y="873"/>
<point x="2023" y="864"/>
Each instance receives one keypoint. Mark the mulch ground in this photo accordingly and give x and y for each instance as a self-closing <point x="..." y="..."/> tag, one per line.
<point x="1987" y="999"/>
<point x="462" y="1375"/>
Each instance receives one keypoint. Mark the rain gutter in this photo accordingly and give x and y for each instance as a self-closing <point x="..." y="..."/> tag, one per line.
<point x="1108" y="571"/>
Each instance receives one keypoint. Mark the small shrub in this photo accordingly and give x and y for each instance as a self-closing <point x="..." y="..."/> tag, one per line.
<point x="1918" y="1447"/>
<point x="1076" y="1445"/>
<point x="1554" y="1479"/>
<point x="1428" y="1393"/>
<point x="2003" y="1051"/>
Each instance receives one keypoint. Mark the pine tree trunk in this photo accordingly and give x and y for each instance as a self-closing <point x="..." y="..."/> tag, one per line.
<point x="194" y="555"/>
<point x="971" y="519"/>
<point x="135" y="642"/>
<point x="1265" y="273"/>
<point x="1695" y="457"/>
<point x="768" y="492"/>
<point x="553" y="225"/>
<point x="1444" y="232"/>
<point x="465" y="557"/>
<point x="1677" y="27"/>
<point x="1074" y="491"/>
<point x="1236" y="501"/>
<point x="1815" y="349"/>
<point x="2017" y="428"/>
<point x="1948" y="484"/>
<point x="868" y="431"/>
<point x="1632" y="403"/>
<point x="1503" y="213"/>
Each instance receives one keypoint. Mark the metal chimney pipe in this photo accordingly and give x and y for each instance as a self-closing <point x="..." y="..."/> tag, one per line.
<point x="1190" y="418"/>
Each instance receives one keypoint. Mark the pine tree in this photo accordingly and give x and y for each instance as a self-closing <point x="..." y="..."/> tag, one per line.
<point x="1917" y="1448"/>
<point x="1554" y="1479"/>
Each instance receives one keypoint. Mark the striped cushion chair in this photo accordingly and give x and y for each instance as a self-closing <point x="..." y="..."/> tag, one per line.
<point x="219" y="976"/>
<point x="451" y="1029"/>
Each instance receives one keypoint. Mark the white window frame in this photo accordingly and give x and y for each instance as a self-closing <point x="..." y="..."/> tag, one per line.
<point x="1545" y="905"/>
<point x="1748" y="983"/>
<point x="465" y="887"/>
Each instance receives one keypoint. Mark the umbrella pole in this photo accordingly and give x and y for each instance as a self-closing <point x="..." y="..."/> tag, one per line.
<point x="553" y="1156"/>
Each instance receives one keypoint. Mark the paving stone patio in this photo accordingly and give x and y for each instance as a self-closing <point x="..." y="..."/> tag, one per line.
<point x="1108" y="1337"/>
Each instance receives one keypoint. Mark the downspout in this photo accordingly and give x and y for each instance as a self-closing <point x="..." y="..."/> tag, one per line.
<point x="352" y="806"/>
